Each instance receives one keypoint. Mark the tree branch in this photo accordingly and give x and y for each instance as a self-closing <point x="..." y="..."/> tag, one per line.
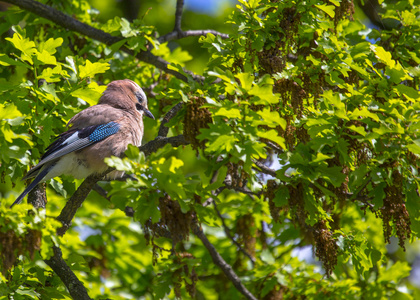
<point x="76" y="201"/>
<point x="101" y="191"/>
<point x="274" y="146"/>
<point x="221" y="263"/>
<point x="72" y="24"/>
<point x="178" y="14"/>
<point x="264" y="168"/>
<point x="163" y="130"/>
<point x="37" y="197"/>
<point x="70" y="280"/>
<point x="160" y="142"/>
<point x="227" y="232"/>
<point x="178" y="33"/>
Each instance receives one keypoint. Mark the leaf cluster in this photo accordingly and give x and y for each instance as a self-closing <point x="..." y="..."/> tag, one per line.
<point x="303" y="136"/>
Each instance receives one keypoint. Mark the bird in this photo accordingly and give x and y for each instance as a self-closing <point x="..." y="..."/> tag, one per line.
<point x="97" y="132"/>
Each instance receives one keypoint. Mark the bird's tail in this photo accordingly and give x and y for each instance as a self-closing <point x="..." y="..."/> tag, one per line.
<point x="33" y="184"/>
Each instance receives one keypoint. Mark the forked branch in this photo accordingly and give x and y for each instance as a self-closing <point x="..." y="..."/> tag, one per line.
<point x="177" y="33"/>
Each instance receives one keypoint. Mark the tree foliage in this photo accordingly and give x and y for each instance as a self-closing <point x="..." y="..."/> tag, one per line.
<point x="300" y="133"/>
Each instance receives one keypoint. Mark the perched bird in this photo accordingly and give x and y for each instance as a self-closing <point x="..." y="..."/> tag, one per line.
<point x="97" y="132"/>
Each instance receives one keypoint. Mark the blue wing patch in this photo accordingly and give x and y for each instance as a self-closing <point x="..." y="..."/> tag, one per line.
<point x="74" y="140"/>
<point x="103" y="131"/>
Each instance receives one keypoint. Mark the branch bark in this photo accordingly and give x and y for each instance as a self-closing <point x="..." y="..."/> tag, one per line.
<point x="160" y="142"/>
<point x="37" y="197"/>
<point x="178" y="14"/>
<point x="75" y="287"/>
<point x="163" y="130"/>
<point x="177" y="35"/>
<point x="264" y="168"/>
<point x="76" y="201"/>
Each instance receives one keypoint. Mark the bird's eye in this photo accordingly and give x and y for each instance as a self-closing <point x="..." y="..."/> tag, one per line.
<point x="139" y="96"/>
<point x="138" y="106"/>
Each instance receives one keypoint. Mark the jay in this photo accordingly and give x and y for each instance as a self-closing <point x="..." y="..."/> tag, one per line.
<point x="97" y="132"/>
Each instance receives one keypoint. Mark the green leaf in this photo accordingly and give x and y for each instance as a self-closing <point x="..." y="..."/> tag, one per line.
<point x="397" y="74"/>
<point x="126" y="30"/>
<point x="119" y="164"/>
<point x="362" y="113"/>
<point x="383" y="55"/>
<point x="252" y="4"/>
<point x="132" y="152"/>
<point x="333" y="175"/>
<point x="272" y="118"/>
<point x="91" y="69"/>
<point x="89" y="95"/>
<point x="51" y="45"/>
<point x="7" y="61"/>
<point x="408" y="92"/>
<point x="29" y="293"/>
<point x="53" y="74"/>
<point x="282" y="196"/>
<point x="9" y="111"/>
<point x="46" y="58"/>
<point x="26" y="46"/>
<point x="360" y="129"/>
<point x="246" y="80"/>
<point x="265" y="94"/>
<point x="112" y="25"/>
<point x="171" y="164"/>
<point x="328" y="9"/>
<point x="397" y="295"/>
<point x="395" y="273"/>
<point x="223" y="142"/>
<point x="272" y="135"/>
<point x="232" y="113"/>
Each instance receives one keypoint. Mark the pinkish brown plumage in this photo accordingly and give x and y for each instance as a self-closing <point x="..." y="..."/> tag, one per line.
<point x="100" y="131"/>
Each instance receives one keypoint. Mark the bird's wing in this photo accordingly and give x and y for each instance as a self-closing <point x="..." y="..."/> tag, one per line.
<point x="73" y="140"/>
<point x="95" y="115"/>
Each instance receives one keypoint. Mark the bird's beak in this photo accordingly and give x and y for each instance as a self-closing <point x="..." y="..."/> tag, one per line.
<point x="148" y="113"/>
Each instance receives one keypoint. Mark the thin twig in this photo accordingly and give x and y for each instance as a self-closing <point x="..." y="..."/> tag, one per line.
<point x="274" y="146"/>
<point x="75" y="287"/>
<point x="227" y="181"/>
<point x="101" y="191"/>
<point x="264" y="168"/>
<point x="149" y="90"/>
<point x="177" y="33"/>
<point x="227" y="232"/>
<point x="221" y="263"/>
<point x="129" y="211"/>
<point x="228" y="184"/>
<point x="210" y="200"/>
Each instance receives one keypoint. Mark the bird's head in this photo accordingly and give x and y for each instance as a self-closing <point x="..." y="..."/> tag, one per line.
<point x="126" y="94"/>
